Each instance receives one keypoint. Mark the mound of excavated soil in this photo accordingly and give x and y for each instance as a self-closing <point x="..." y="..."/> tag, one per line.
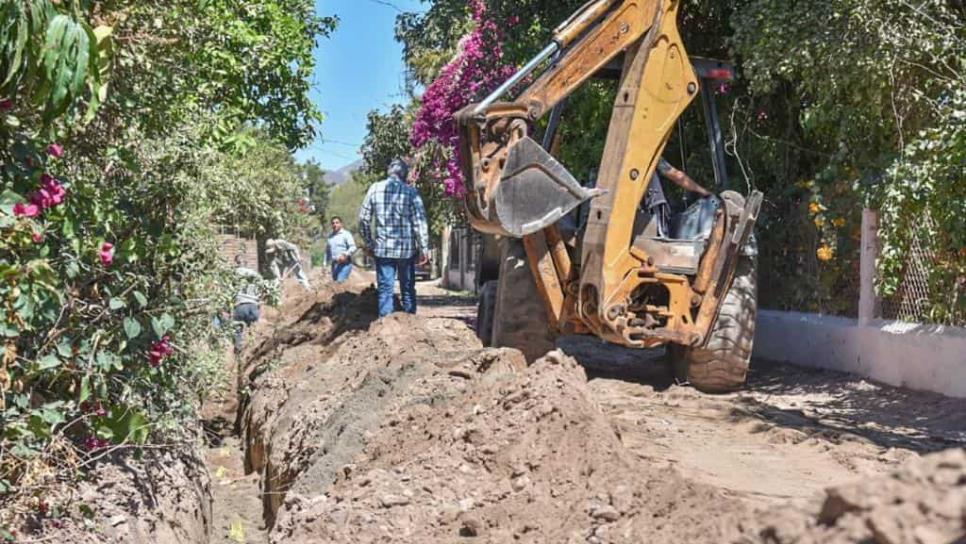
<point x="407" y="430"/>
<point x="922" y="503"/>
<point x="312" y="408"/>
<point x="161" y="497"/>
<point x="525" y="457"/>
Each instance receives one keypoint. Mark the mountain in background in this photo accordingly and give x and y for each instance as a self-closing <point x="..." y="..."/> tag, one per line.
<point x="342" y="175"/>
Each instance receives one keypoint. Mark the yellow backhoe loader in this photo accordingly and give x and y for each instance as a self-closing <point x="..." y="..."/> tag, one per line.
<point x="586" y="258"/>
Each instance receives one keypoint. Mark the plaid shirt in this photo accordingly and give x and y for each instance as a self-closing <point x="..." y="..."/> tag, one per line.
<point x="392" y="220"/>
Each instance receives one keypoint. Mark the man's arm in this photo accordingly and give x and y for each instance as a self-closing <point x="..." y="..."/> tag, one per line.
<point x="365" y="217"/>
<point x="350" y="244"/>
<point x="680" y="179"/>
<point x="421" y="226"/>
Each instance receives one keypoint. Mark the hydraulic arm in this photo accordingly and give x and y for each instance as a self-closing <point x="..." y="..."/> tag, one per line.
<point x="625" y="292"/>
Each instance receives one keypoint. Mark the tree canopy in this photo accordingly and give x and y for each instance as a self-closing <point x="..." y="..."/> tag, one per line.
<point x="130" y="133"/>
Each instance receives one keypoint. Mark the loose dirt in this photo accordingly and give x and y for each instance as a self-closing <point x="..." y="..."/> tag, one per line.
<point x="408" y="430"/>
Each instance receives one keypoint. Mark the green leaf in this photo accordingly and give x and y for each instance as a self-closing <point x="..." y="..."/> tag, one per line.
<point x="47" y="362"/>
<point x="132" y="328"/>
<point x="64" y="349"/>
<point x="85" y="388"/>
<point x="142" y="300"/>
<point x="23" y="451"/>
<point x="67" y="228"/>
<point x="52" y="415"/>
<point x="162" y="325"/>
<point x="108" y="361"/>
<point x="56" y="29"/>
<point x="127" y="426"/>
<point x="168" y="321"/>
<point x="117" y="304"/>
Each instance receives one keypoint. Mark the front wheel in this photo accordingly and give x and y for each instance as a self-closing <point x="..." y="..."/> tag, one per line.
<point x="721" y="366"/>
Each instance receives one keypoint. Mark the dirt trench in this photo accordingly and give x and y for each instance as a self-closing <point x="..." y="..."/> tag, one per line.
<point x="407" y="430"/>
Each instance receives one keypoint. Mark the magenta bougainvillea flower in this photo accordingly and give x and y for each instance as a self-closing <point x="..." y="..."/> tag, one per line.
<point x="6" y="104"/>
<point x="92" y="443"/>
<point x="762" y="115"/>
<point x="26" y="210"/>
<point x="159" y="351"/>
<point x="50" y="194"/>
<point x="106" y="253"/>
<point x="38" y="237"/>
<point x="55" y="150"/>
<point x="477" y="69"/>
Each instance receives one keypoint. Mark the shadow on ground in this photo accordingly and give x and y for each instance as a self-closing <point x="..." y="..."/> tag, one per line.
<point x="889" y="416"/>
<point x="811" y="400"/>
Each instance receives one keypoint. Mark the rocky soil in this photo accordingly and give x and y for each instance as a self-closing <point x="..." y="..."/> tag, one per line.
<point x="407" y="430"/>
<point x="156" y="496"/>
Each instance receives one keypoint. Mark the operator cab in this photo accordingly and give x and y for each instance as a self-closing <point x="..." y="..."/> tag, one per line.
<point x="690" y="228"/>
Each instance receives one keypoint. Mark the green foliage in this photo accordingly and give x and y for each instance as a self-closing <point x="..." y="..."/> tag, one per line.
<point x="256" y="192"/>
<point x="880" y="107"/>
<point x="109" y="270"/>
<point x="347" y="198"/>
<point x="313" y="178"/>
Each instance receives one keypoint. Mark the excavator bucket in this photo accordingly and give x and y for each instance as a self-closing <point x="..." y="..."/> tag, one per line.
<point x="535" y="191"/>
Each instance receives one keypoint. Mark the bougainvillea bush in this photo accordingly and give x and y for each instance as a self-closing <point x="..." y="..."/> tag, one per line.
<point x="477" y="69"/>
<point x="116" y="125"/>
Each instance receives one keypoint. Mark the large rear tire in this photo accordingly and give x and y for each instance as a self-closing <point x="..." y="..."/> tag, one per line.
<point x="519" y="317"/>
<point x="721" y="366"/>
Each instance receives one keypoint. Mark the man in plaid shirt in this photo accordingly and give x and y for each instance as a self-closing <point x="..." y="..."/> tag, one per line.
<point x="392" y="222"/>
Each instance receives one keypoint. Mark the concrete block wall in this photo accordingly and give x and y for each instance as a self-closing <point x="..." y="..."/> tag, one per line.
<point x="923" y="357"/>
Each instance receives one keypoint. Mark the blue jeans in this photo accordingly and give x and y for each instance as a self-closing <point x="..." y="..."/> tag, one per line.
<point x="341" y="271"/>
<point x="245" y="315"/>
<point x="386" y="271"/>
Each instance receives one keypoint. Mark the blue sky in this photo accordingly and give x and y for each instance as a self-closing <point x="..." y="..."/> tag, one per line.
<point x="359" y="68"/>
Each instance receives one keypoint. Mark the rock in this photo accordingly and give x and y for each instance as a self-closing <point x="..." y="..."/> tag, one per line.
<point x="886" y="529"/>
<point x="471" y="526"/>
<point x="521" y="483"/>
<point x="928" y="535"/>
<point x="838" y="502"/>
<point x="622" y="498"/>
<point x="389" y="501"/>
<point x="605" y="512"/>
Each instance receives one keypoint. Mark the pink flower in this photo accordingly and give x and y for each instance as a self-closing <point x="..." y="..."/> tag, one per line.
<point x="475" y="70"/>
<point x="724" y="88"/>
<point x="26" y="210"/>
<point x="159" y="351"/>
<point x="38" y="237"/>
<point x="762" y="115"/>
<point x="55" y="150"/>
<point x="107" y="253"/>
<point x="50" y="194"/>
<point x="93" y="443"/>
<point x="6" y="104"/>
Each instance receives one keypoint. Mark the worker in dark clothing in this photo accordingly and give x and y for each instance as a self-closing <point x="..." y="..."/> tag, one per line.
<point x="655" y="201"/>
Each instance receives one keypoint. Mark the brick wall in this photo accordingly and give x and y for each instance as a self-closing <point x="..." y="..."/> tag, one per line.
<point x="230" y="245"/>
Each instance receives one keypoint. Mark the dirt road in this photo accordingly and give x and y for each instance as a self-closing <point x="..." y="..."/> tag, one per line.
<point x="790" y="434"/>
<point x="407" y="430"/>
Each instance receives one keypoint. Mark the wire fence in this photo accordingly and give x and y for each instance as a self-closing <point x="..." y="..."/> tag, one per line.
<point x="912" y="300"/>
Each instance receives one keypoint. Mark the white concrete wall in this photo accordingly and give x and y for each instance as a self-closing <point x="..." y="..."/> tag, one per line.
<point x="923" y="357"/>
